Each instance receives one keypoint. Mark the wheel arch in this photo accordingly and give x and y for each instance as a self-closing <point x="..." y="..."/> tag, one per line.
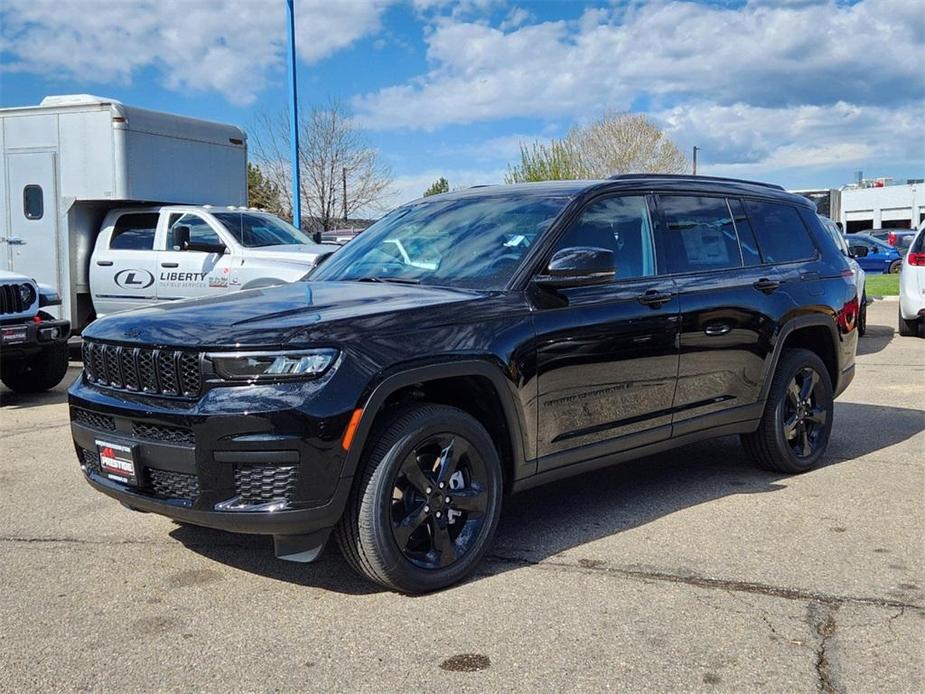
<point x="476" y="386"/>
<point x="816" y="333"/>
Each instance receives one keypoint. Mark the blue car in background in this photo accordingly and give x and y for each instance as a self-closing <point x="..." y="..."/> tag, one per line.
<point x="874" y="255"/>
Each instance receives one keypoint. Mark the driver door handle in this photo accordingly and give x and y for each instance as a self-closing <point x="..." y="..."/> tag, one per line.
<point x="765" y="285"/>
<point x="654" y="298"/>
<point x="170" y="264"/>
<point x="104" y="263"/>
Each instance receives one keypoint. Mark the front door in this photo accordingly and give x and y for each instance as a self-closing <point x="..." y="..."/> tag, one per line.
<point x="607" y="356"/>
<point x="204" y="269"/>
<point x="124" y="263"/>
<point x="31" y="237"/>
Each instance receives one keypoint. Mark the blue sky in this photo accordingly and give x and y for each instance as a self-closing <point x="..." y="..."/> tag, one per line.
<point x="796" y="92"/>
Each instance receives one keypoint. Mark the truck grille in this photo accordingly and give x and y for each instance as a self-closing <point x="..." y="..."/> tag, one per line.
<point x="11" y="299"/>
<point x="262" y="483"/>
<point x="156" y="371"/>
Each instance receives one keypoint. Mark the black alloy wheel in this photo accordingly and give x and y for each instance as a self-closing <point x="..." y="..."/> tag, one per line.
<point x="794" y="430"/>
<point x="804" y="420"/>
<point x="426" y="499"/>
<point x="439" y="501"/>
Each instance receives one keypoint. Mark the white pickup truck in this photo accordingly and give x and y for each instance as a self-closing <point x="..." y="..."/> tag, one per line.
<point x="145" y="255"/>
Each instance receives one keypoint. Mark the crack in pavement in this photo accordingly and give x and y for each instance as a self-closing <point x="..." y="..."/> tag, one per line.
<point x="822" y="620"/>
<point x="698" y="581"/>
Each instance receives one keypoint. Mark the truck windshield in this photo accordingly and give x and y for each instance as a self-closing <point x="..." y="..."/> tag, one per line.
<point x="470" y="242"/>
<point x="254" y="230"/>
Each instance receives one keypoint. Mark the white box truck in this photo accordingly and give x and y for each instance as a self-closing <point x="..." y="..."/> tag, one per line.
<point x="119" y="207"/>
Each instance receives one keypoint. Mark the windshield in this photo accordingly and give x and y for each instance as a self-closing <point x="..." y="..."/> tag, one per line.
<point x="253" y="230"/>
<point x="471" y="242"/>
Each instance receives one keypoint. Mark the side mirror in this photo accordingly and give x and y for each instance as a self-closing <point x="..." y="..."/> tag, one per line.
<point x="579" y="266"/>
<point x="858" y="251"/>
<point x="181" y="238"/>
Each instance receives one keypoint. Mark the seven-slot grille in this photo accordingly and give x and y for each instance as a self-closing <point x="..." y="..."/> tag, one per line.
<point x="11" y="299"/>
<point x="156" y="371"/>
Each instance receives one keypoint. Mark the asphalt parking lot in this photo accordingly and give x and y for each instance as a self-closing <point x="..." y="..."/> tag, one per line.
<point x="690" y="570"/>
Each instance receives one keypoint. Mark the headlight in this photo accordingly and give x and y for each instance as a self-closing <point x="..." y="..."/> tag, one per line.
<point x="271" y="366"/>
<point x="26" y="294"/>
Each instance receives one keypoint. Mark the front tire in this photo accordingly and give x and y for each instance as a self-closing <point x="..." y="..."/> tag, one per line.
<point x="426" y="502"/>
<point x="797" y="421"/>
<point x="38" y="372"/>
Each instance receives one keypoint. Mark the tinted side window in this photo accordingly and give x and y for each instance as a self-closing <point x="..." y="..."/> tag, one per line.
<point x="747" y="243"/>
<point x="782" y="236"/>
<point x="699" y="234"/>
<point x="134" y="232"/>
<point x="621" y="225"/>
<point x="199" y="230"/>
<point x="33" y="203"/>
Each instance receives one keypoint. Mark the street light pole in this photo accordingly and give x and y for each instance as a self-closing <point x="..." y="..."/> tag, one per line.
<point x="696" y="148"/>
<point x="294" y="122"/>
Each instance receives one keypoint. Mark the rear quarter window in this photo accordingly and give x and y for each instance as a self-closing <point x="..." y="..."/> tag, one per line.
<point x="134" y="232"/>
<point x="782" y="236"/>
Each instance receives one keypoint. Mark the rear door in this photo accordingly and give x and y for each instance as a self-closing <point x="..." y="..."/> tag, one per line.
<point x="727" y="299"/>
<point x="202" y="270"/>
<point x="124" y="263"/>
<point x="606" y="355"/>
<point x="31" y="238"/>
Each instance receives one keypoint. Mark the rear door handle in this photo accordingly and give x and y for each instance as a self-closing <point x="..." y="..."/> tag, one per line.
<point x="104" y="263"/>
<point x="765" y="285"/>
<point x="717" y="329"/>
<point x="810" y="275"/>
<point x="170" y="264"/>
<point x="654" y="298"/>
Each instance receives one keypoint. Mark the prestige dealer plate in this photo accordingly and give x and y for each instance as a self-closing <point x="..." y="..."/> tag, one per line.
<point x="117" y="462"/>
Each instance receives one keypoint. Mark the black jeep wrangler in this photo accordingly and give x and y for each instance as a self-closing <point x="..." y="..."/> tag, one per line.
<point x="469" y="345"/>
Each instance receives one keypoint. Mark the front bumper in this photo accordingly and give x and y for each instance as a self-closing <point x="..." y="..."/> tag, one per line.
<point x="247" y="460"/>
<point x="26" y="337"/>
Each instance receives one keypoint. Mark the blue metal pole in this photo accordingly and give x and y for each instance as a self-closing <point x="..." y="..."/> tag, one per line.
<point x="294" y="122"/>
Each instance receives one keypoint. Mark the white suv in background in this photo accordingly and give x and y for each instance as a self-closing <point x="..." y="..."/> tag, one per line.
<point x="912" y="287"/>
<point x="835" y="233"/>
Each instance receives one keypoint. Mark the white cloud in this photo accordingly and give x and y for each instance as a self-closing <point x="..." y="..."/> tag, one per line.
<point x="763" y="54"/>
<point x="412" y="186"/>
<point x="227" y="46"/>
<point x="742" y="138"/>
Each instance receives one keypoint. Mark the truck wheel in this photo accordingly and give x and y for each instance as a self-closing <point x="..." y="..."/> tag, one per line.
<point x="426" y="501"/>
<point x="862" y="316"/>
<point x="907" y="328"/>
<point x="794" y="430"/>
<point x="38" y="372"/>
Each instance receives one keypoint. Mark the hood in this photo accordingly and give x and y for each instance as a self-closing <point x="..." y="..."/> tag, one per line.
<point x="292" y="253"/>
<point x="274" y="316"/>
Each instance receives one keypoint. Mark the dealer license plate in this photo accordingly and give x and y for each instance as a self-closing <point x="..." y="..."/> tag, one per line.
<point x="13" y="334"/>
<point x="117" y="462"/>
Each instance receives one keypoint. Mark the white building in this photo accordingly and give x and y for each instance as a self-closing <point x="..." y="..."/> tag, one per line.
<point x="887" y="207"/>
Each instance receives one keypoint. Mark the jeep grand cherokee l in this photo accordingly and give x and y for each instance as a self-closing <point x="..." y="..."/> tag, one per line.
<point x="556" y="328"/>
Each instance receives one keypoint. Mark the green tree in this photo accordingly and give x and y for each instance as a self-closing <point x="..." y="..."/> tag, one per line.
<point x="614" y="144"/>
<point x="261" y="191"/>
<point x="441" y="185"/>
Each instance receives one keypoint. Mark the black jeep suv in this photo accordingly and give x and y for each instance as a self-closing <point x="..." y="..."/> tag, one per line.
<point x="470" y="345"/>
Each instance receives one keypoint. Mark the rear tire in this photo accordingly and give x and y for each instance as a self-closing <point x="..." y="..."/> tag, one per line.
<point x="797" y="421"/>
<point x="398" y="529"/>
<point x="895" y="267"/>
<point x="862" y="316"/>
<point x="907" y="328"/>
<point x="38" y="372"/>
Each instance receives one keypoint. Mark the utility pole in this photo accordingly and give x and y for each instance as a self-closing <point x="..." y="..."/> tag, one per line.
<point x="294" y="122"/>
<point x="344" y="178"/>
<point x="696" y="148"/>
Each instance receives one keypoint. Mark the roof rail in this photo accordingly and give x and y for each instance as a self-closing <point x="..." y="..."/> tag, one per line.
<point x="481" y="185"/>
<point x="689" y="177"/>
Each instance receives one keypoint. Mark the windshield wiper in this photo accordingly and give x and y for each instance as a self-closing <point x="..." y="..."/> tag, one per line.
<point x="395" y="280"/>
